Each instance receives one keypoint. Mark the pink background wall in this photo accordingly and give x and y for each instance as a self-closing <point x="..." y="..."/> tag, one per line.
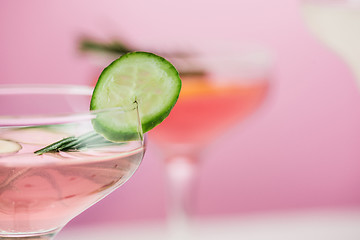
<point x="300" y="151"/>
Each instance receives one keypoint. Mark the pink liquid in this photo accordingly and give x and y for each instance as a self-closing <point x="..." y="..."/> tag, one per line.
<point x="205" y="110"/>
<point x="41" y="193"/>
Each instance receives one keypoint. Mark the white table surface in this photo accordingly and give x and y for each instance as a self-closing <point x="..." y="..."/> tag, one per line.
<point x="304" y="225"/>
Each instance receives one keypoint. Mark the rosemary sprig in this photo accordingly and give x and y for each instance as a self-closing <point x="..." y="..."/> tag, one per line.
<point x="87" y="140"/>
<point x="113" y="47"/>
<point x="119" y="47"/>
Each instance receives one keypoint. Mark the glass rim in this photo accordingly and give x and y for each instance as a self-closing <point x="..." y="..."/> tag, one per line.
<point x="48" y="119"/>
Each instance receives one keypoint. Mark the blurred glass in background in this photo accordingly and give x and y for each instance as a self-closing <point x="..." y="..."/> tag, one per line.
<point x="223" y="83"/>
<point x="337" y="24"/>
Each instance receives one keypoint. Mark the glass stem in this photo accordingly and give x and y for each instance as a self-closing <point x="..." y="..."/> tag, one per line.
<point x="180" y="172"/>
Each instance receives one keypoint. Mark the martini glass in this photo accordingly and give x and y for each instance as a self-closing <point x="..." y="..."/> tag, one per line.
<point x="337" y="24"/>
<point x="221" y="88"/>
<point x="41" y="193"/>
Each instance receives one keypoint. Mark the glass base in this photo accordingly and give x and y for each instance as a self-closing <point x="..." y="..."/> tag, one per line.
<point x="34" y="236"/>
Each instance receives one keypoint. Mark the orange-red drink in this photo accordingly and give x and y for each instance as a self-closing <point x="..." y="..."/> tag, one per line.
<point x="205" y="109"/>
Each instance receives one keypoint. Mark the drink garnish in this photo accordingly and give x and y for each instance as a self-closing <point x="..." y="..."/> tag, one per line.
<point x="184" y="60"/>
<point x="8" y="146"/>
<point x="88" y="140"/>
<point x="136" y="79"/>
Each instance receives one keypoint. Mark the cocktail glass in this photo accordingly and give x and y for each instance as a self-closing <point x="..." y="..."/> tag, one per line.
<point x="337" y="24"/>
<point x="41" y="193"/>
<point x="221" y="88"/>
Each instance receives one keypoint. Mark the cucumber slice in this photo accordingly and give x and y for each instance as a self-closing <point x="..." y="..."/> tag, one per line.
<point x="137" y="77"/>
<point x="8" y="146"/>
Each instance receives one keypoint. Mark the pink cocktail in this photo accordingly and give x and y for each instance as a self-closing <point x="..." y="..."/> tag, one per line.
<point x="40" y="193"/>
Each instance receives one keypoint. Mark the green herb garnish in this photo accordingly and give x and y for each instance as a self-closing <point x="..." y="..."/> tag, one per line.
<point x="88" y="140"/>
